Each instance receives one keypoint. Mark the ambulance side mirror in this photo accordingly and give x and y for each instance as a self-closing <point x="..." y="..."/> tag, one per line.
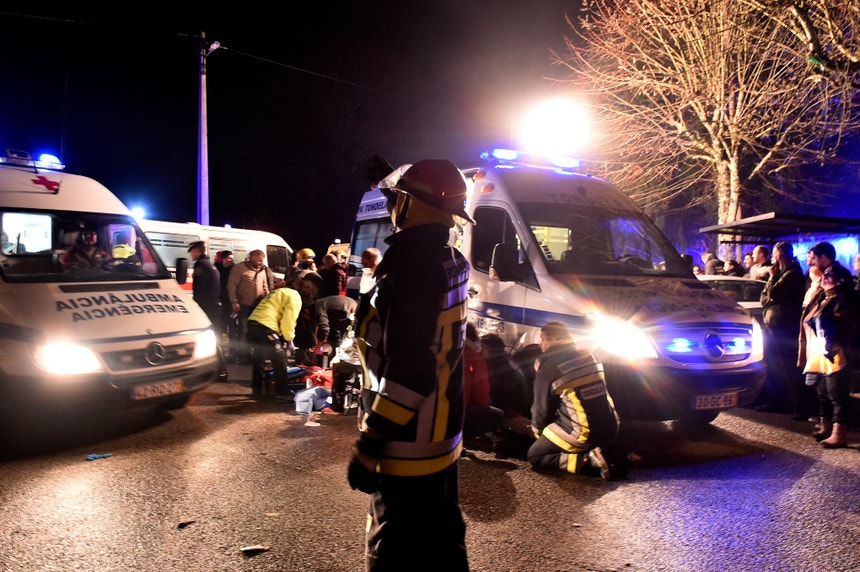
<point x="182" y="270"/>
<point x="504" y="266"/>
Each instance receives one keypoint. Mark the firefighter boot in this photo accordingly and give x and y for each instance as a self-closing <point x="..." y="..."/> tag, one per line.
<point x="825" y="430"/>
<point x="838" y="438"/>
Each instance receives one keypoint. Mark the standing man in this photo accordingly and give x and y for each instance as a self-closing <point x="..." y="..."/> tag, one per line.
<point x="228" y="323"/>
<point x="713" y="265"/>
<point x="410" y="330"/>
<point x="761" y="263"/>
<point x="249" y="282"/>
<point x="206" y="284"/>
<point x="782" y="301"/>
<point x="573" y="416"/>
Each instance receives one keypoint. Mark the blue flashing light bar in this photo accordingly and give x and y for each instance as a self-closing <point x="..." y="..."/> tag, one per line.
<point x="509" y="157"/>
<point x="24" y="159"/>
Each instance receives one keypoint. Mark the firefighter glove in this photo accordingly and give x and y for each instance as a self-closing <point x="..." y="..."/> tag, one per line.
<point x="361" y="472"/>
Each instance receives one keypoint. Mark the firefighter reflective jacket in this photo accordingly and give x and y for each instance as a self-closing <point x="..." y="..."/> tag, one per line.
<point x="410" y="328"/>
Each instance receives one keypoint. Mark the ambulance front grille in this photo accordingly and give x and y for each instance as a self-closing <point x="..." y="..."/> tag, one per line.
<point x="137" y="358"/>
<point x="706" y="343"/>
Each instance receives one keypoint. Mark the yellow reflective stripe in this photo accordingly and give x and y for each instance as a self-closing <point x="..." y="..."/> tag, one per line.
<point x="415" y="468"/>
<point x="556" y="440"/>
<point x="559" y="442"/>
<point x="446" y="321"/>
<point x="571" y="384"/>
<point x="400" y="394"/>
<point x="411" y="449"/>
<point x="573" y="461"/>
<point x="391" y="410"/>
<point x="576" y="405"/>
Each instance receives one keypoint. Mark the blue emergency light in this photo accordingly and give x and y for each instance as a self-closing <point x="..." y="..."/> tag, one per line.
<point x="25" y="159"/>
<point x="512" y="158"/>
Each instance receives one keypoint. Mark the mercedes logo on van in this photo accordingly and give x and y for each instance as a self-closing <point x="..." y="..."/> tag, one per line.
<point x="155" y="354"/>
<point x="714" y="347"/>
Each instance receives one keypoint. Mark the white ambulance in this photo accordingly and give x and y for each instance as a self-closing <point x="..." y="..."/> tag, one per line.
<point x="552" y="244"/>
<point x="171" y="240"/>
<point x="88" y="311"/>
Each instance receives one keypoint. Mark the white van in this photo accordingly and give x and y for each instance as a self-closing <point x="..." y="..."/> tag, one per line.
<point x="171" y="240"/>
<point x="108" y="326"/>
<point x="372" y="225"/>
<point x="552" y="244"/>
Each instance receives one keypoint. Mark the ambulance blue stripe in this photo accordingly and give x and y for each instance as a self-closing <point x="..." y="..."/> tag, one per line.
<point x="525" y="316"/>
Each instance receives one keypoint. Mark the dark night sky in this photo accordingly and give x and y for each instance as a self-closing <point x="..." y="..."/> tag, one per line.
<point x="297" y="102"/>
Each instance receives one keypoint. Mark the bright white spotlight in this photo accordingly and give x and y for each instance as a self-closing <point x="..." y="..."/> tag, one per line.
<point x="138" y="213"/>
<point x="556" y="127"/>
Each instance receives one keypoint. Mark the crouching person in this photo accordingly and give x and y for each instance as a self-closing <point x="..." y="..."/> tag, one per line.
<point x="271" y="326"/>
<point x="573" y="416"/>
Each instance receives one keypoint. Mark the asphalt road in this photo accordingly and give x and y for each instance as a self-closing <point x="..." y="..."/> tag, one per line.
<point x="188" y="490"/>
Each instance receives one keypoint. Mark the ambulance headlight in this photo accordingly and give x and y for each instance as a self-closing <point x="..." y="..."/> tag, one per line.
<point x="615" y="336"/>
<point x="206" y="346"/>
<point x="757" y="342"/>
<point x="63" y="358"/>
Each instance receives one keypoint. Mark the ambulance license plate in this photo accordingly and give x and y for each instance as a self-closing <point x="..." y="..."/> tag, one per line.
<point x="715" y="401"/>
<point x="152" y="390"/>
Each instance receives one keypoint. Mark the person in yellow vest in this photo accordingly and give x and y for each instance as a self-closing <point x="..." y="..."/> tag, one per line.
<point x="271" y="326"/>
<point x="122" y="249"/>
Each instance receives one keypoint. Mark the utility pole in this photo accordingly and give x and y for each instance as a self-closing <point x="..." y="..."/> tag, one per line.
<point x="202" y="136"/>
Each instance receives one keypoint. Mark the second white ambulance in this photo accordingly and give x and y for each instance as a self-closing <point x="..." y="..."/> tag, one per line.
<point x="553" y="244"/>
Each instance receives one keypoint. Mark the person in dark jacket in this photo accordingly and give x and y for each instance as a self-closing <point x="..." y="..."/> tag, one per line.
<point x="573" y="416"/>
<point x="733" y="268"/>
<point x="828" y="328"/>
<point x="782" y="303"/>
<point x="411" y="329"/>
<point x="508" y="393"/>
<point x="333" y="275"/>
<point x="206" y="288"/>
<point x="206" y="285"/>
<point x="507" y="382"/>
<point x="332" y="316"/>
<point x="228" y="327"/>
<point x="713" y="265"/>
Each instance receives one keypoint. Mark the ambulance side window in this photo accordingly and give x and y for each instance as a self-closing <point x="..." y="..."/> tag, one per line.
<point x="493" y="226"/>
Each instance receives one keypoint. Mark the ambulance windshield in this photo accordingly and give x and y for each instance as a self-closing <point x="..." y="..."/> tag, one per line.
<point x="53" y="246"/>
<point x="598" y="240"/>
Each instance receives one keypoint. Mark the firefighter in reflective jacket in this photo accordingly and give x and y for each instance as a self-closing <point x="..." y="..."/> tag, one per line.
<point x="410" y="328"/>
<point x="573" y="416"/>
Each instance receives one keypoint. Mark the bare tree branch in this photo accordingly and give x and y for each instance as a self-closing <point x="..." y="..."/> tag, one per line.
<point x="708" y="102"/>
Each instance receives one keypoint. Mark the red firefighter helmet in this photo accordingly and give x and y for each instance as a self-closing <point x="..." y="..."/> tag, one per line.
<point x="437" y="182"/>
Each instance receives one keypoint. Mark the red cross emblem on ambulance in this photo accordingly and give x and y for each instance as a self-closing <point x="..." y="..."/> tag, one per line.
<point x="50" y="185"/>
